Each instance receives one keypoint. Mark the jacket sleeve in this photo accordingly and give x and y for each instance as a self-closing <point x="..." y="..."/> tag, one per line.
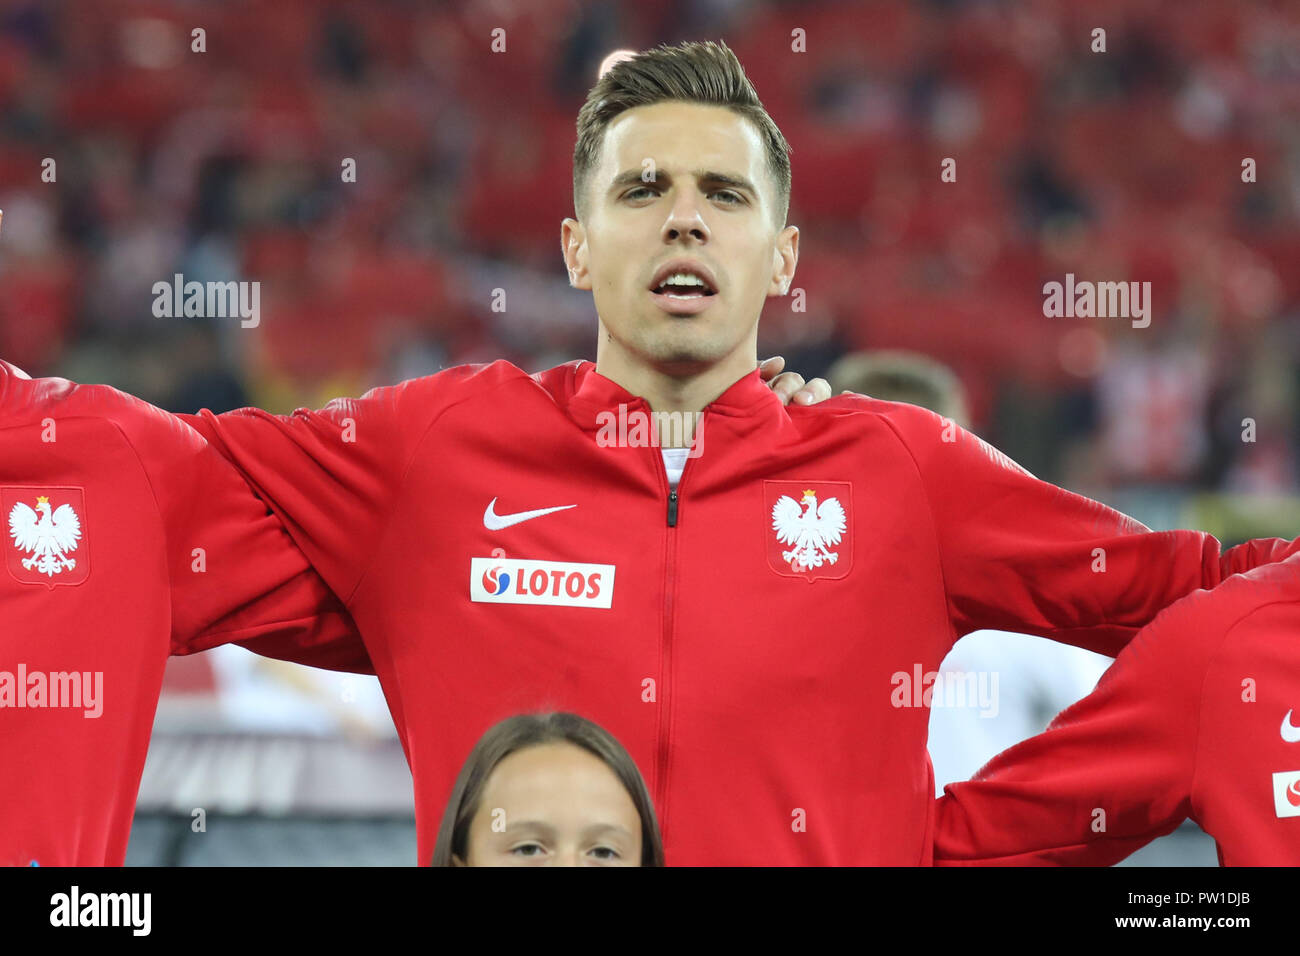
<point x="333" y="475"/>
<point x="329" y="475"/>
<point x="1112" y="772"/>
<point x="1019" y="554"/>
<point x="234" y="575"/>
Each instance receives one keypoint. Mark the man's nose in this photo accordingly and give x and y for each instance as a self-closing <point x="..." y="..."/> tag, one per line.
<point x="685" y="219"/>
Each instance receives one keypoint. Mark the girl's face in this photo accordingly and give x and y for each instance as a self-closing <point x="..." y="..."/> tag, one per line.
<point x="554" y="805"/>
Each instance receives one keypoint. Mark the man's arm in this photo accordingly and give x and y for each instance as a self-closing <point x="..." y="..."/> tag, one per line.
<point x="234" y="575"/>
<point x="1112" y="772"/>
<point x="1019" y="554"/>
<point x="332" y="475"/>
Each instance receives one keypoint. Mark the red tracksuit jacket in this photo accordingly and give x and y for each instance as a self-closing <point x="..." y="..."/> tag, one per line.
<point x="762" y="688"/>
<point x="159" y="563"/>
<point x="1198" y="717"/>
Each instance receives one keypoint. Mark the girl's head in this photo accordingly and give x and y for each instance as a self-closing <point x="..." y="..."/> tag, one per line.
<point x="549" y="790"/>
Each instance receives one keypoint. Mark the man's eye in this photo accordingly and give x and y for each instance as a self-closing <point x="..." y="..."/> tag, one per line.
<point x="730" y="197"/>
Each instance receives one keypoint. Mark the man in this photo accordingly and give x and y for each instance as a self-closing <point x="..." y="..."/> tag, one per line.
<point x="138" y="541"/>
<point x="510" y="543"/>
<point x="1197" y="717"/>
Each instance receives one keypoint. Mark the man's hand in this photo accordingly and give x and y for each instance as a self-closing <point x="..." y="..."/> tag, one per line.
<point x="790" y="386"/>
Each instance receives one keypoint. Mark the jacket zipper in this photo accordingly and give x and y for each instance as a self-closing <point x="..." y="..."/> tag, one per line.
<point x="670" y="564"/>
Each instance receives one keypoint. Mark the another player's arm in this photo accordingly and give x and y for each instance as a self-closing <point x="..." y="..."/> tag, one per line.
<point x="236" y="575"/>
<point x="233" y="573"/>
<point x="1112" y="772"/>
<point x="332" y="476"/>
<point x="1019" y="554"/>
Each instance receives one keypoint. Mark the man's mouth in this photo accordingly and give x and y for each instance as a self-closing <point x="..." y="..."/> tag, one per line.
<point x="678" y="301"/>
<point x="683" y="285"/>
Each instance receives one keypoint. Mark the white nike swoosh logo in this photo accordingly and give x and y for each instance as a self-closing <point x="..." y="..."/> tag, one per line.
<point x="495" y="522"/>
<point x="1290" y="732"/>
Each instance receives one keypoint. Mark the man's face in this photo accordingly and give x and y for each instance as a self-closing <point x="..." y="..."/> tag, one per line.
<point x="710" y="208"/>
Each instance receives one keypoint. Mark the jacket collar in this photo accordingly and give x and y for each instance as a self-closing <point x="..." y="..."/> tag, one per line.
<point x="593" y="393"/>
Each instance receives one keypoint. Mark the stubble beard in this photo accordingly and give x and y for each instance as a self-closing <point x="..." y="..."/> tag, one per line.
<point x="684" y="347"/>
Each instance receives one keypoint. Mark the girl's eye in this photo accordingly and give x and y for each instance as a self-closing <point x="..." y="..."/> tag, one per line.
<point x="527" y="849"/>
<point x="605" y="853"/>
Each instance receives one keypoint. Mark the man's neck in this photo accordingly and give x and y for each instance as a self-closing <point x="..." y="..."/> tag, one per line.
<point x="683" y="392"/>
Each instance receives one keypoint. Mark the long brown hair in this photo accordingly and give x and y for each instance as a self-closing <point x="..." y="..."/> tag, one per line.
<point x="530" y="730"/>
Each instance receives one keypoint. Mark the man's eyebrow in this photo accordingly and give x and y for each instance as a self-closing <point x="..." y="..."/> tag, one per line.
<point x="632" y="177"/>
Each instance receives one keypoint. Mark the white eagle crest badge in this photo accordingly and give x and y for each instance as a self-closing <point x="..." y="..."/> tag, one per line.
<point x="45" y="535"/>
<point x="809" y="533"/>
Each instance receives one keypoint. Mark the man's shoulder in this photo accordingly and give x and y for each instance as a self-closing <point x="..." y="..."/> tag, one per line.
<point x="42" y="402"/>
<point x="900" y="416"/>
<point x="460" y="383"/>
<point x="1276" y="583"/>
<point x="923" y="432"/>
<point x="1205" y="618"/>
<point x="1267" y="593"/>
<point x="94" y="434"/>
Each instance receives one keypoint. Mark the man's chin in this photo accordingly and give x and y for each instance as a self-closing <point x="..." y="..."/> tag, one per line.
<point x="681" y="360"/>
<point x="679" y="347"/>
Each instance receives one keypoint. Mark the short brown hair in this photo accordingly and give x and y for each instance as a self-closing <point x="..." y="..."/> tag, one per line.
<point x="531" y="730"/>
<point x="707" y="73"/>
<point x="899" y="376"/>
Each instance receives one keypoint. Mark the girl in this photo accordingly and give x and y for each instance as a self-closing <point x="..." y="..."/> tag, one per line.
<point x="549" y="790"/>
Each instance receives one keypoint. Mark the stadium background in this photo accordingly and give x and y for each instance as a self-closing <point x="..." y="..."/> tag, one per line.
<point x="225" y="164"/>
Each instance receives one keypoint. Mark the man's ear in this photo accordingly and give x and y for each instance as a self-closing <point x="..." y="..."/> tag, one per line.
<point x="573" y="244"/>
<point x="785" y="257"/>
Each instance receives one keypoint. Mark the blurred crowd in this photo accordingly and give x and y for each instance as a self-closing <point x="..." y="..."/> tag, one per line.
<point x="1117" y="166"/>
